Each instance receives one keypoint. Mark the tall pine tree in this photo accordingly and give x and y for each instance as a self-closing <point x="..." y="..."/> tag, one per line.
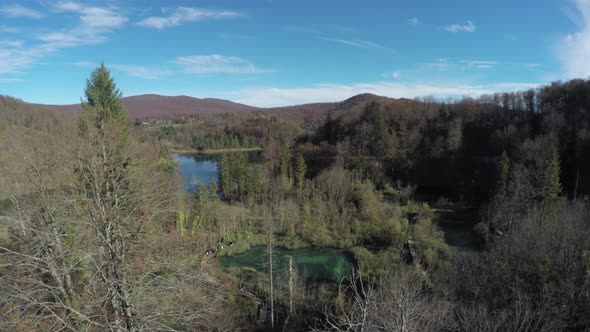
<point x="502" y="180"/>
<point x="550" y="184"/>
<point x="300" y="170"/>
<point x="109" y="200"/>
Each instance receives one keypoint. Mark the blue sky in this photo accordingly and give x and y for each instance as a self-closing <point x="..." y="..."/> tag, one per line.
<point x="274" y="52"/>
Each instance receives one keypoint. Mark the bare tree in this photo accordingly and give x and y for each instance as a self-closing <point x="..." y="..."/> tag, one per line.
<point x="42" y="258"/>
<point x="399" y="301"/>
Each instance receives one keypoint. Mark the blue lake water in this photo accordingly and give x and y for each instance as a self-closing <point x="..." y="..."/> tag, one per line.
<point x="197" y="168"/>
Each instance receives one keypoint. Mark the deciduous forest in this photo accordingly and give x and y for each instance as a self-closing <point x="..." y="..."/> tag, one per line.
<point x="98" y="231"/>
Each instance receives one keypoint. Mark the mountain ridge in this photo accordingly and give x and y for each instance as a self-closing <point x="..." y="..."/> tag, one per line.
<point x="155" y="106"/>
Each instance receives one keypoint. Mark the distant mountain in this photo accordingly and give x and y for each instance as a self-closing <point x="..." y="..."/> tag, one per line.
<point x="168" y="107"/>
<point x="157" y="106"/>
<point x="318" y="111"/>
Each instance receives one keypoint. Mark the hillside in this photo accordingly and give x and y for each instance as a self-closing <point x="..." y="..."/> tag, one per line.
<point x="166" y="107"/>
<point x="31" y="136"/>
<point x="151" y="106"/>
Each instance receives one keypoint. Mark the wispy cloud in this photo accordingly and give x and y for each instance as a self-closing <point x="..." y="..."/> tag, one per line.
<point x="467" y="27"/>
<point x="479" y="64"/>
<point x="10" y="79"/>
<point x="414" y="21"/>
<point x="271" y="97"/>
<point x="359" y="43"/>
<point x="204" y="64"/>
<point x="532" y="65"/>
<point x="93" y="17"/>
<point x="147" y="73"/>
<point x="6" y="29"/>
<point x="463" y="65"/>
<point x="141" y="71"/>
<point x="11" y="43"/>
<point x="180" y="15"/>
<point x="20" y="11"/>
<point x="95" y="23"/>
<point x="575" y="47"/>
<point x="14" y="57"/>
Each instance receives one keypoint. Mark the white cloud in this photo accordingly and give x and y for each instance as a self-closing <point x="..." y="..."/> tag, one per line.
<point x="83" y="64"/>
<point x="478" y="64"/>
<point x="4" y="28"/>
<point x="130" y="70"/>
<point x="358" y="43"/>
<point x="185" y="14"/>
<point x="93" y="17"/>
<point x="15" y="58"/>
<point x="467" y="27"/>
<point x="575" y="47"/>
<point x="11" y="43"/>
<point x="461" y="65"/>
<point x="19" y="11"/>
<point x="396" y="75"/>
<point x="414" y="21"/>
<point x="94" y="26"/>
<point x="10" y="79"/>
<point x="203" y="64"/>
<point x="271" y="97"/>
<point x="141" y="71"/>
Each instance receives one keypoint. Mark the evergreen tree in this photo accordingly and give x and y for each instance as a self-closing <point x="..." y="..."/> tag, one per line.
<point x="213" y="190"/>
<point x="380" y="133"/>
<point x="103" y="98"/>
<point x="286" y="166"/>
<point x="502" y="180"/>
<point x="202" y="195"/>
<point x="224" y="174"/>
<point x="109" y="199"/>
<point x="550" y="183"/>
<point x="300" y="170"/>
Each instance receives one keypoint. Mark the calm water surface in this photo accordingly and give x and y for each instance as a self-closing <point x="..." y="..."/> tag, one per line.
<point x="317" y="264"/>
<point x="197" y="168"/>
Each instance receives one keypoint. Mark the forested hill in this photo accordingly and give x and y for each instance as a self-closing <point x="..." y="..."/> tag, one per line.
<point x="152" y="106"/>
<point x="15" y="112"/>
<point x="28" y="133"/>
<point x="453" y="148"/>
<point x="167" y="107"/>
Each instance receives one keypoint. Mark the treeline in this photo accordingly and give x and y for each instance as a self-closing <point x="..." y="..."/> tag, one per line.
<point x="15" y="112"/>
<point x="195" y="138"/>
<point x="451" y="148"/>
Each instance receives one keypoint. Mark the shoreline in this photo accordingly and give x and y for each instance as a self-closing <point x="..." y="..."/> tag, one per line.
<point x="213" y="151"/>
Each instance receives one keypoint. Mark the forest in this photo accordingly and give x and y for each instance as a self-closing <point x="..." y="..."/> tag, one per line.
<point x="98" y="231"/>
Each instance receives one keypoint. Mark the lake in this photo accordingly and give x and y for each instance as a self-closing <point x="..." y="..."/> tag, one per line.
<point x="313" y="264"/>
<point x="197" y="168"/>
<point x="200" y="167"/>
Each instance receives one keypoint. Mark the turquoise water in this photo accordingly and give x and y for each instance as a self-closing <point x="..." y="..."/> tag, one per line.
<point x="317" y="264"/>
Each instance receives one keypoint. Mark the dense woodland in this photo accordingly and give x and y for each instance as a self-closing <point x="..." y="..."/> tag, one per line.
<point x="97" y="232"/>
